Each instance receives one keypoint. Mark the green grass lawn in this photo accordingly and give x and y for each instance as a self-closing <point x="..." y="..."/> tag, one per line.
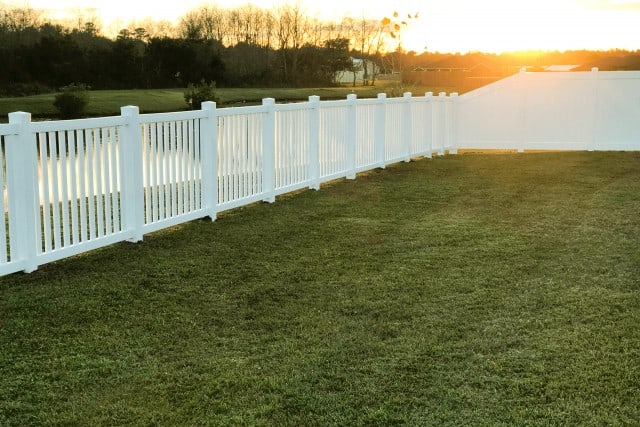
<point x="108" y="102"/>
<point x="469" y="290"/>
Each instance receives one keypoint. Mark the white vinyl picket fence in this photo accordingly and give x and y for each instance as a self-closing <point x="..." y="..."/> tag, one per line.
<point x="77" y="185"/>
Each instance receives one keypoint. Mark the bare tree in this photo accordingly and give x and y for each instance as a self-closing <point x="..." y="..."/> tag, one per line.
<point x="318" y="31"/>
<point x="392" y="29"/>
<point x="205" y="23"/>
<point x="245" y="25"/>
<point x="291" y="31"/>
<point x="345" y="29"/>
<point x="267" y="29"/>
<point x="19" y="18"/>
<point x="368" y="36"/>
<point x="154" y="28"/>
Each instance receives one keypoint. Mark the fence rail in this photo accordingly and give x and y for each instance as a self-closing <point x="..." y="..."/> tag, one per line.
<point x="77" y="185"/>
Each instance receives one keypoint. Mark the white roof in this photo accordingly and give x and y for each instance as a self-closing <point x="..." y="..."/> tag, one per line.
<point x="560" y="67"/>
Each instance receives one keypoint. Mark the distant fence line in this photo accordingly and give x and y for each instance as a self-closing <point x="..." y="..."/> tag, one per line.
<point x="77" y="185"/>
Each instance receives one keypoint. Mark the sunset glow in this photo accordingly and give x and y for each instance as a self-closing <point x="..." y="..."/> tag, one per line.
<point x="443" y="25"/>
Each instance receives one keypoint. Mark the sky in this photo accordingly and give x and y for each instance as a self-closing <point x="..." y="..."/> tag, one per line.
<point x="442" y="26"/>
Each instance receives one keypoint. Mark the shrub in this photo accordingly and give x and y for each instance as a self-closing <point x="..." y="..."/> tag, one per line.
<point x="195" y="95"/>
<point x="71" y="101"/>
<point x="396" y="90"/>
<point x="18" y="89"/>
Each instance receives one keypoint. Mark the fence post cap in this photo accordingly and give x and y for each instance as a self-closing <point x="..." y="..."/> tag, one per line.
<point x="208" y="105"/>
<point x="382" y="96"/>
<point x="129" y="110"/>
<point x="268" y="101"/>
<point x="352" y="97"/>
<point x="314" y="98"/>
<point x="19" y="117"/>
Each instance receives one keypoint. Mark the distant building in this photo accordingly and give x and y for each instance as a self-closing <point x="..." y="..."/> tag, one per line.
<point x="613" y="63"/>
<point x="356" y="75"/>
<point x="560" y="68"/>
<point x="457" y="73"/>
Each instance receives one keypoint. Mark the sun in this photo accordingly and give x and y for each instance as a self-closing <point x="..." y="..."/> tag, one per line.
<point x="497" y="26"/>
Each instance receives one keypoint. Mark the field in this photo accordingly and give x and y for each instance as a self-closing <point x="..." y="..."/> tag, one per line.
<point x="108" y="102"/>
<point x="469" y="290"/>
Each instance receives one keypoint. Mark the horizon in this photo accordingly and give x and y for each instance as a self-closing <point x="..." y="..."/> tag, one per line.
<point x="453" y="26"/>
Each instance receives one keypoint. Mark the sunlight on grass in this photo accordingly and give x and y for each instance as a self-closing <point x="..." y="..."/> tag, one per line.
<point x="108" y="102"/>
<point x="463" y="290"/>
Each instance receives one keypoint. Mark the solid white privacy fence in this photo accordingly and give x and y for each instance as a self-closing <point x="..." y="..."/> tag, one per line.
<point x="590" y="110"/>
<point x="77" y="185"/>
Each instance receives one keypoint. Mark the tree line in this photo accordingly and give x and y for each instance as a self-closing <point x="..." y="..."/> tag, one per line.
<point x="246" y="46"/>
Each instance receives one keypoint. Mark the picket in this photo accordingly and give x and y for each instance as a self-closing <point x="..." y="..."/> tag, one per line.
<point x="4" y="243"/>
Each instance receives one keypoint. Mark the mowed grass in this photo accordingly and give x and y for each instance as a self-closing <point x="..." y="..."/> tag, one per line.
<point x="108" y="102"/>
<point x="469" y="290"/>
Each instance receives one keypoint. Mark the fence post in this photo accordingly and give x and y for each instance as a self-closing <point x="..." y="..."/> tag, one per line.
<point x="453" y="122"/>
<point x="132" y="171"/>
<point x="380" y="130"/>
<point x="209" y="152"/>
<point x="314" y="142"/>
<point x="595" y="121"/>
<point x="22" y="189"/>
<point x="268" y="150"/>
<point x="351" y="136"/>
<point x="428" y="125"/>
<point x="407" y="124"/>
<point x="441" y="117"/>
<point x="522" y="113"/>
